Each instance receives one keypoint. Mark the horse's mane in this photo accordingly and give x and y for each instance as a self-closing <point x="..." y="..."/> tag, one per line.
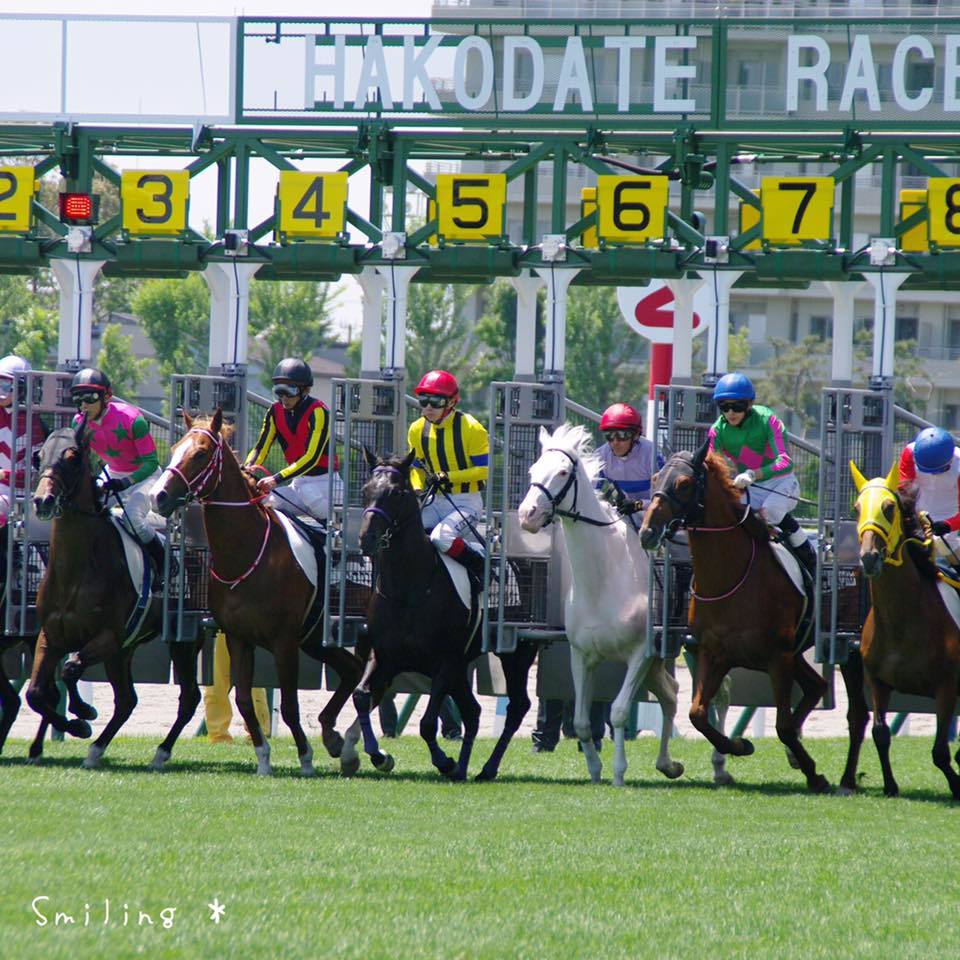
<point x="922" y="557"/>
<point x="578" y="442"/>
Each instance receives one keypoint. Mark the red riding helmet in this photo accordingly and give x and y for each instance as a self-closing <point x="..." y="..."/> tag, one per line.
<point x="439" y="383"/>
<point x="621" y="416"/>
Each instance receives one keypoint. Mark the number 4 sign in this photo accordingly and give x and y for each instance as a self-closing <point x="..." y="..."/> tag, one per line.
<point x="311" y="205"/>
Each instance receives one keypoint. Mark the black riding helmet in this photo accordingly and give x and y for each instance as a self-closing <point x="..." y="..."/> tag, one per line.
<point x="90" y="379"/>
<point x="293" y="370"/>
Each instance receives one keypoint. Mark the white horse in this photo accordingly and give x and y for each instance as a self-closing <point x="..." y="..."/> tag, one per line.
<point x="605" y="608"/>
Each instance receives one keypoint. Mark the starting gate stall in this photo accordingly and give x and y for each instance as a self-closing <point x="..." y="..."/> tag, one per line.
<point x="684" y="414"/>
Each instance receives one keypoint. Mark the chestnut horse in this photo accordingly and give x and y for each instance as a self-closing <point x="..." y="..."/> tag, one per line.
<point x="744" y="610"/>
<point x="910" y="642"/>
<point x="85" y="599"/>
<point x="259" y="595"/>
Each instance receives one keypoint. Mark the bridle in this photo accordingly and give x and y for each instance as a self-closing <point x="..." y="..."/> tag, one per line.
<point x="63" y="494"/>
<point x="556" y="499"/>
<point x="393" y="524"/>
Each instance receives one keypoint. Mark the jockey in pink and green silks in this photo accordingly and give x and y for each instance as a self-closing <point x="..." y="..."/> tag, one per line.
<point x="754" y="439"/>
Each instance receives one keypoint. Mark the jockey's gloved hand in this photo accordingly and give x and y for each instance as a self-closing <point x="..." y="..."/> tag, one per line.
<point x="939" y="528"/>
<point x="612" y="494"/>
<point x="114" y="485"/>
<point x="442" y="481"/>
<point x="743" y="480"/>
<point x="626" y="507"/>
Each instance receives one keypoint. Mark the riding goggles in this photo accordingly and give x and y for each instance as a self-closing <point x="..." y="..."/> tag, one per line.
<point x="610" y="435"/>
<point x="438" y="403"/>
<point x="285" y="390"/>
<point x="89" y="396"/>
<point x="732" y="406"/>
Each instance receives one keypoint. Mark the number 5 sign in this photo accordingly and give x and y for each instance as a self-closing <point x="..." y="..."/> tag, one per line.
<point x="311" y="205"/>
<point x="471" y="207"/>
<point x="797" y="209"/>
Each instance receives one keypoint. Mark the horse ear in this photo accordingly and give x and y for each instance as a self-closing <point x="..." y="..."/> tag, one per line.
<point x="544" y="437"/>
<point x="370" y="457"/>
<point x="187" y="419"/>
<point x="80" y="430"/>
<point x="217" y="422"/>
<point x="408" y="461"/>
<point x="859" y="480"/>
<point x="701" y="454"/>
<point x="893" y="477"/>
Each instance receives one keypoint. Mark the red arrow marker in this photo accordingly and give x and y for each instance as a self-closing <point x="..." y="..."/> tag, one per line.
<point x="654" y="310"/>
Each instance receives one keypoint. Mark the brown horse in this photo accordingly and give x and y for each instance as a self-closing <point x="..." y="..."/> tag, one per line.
<point x="910" y="641"/>
<point x="259" y="595"/>
<point x="86" y="598"/>
<point x="744" y="611"/>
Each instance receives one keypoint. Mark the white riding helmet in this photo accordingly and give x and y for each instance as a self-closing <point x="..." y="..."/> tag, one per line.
<point x="12" y="365"/>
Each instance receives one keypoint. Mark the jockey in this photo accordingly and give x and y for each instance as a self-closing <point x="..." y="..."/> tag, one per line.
<point x="932" y="462"/>
<point x="301" y="425"/>
<point x="452" y="450"/>
<point x="120" y="436"/>
<point x="11" y="477"/>
<point x="754" y="438"/>
<point x="629" y="458"/>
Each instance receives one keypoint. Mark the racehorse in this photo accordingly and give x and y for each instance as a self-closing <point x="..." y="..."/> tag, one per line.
<point x="744" y="611"/>
<point x="606" y="603"/>
<point x="259" y="595"/>
<point x="86" y="598"/>
<point x="910" y="641"/>
<point x="417" y="621"/>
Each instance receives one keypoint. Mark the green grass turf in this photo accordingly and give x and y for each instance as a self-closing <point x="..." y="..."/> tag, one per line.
<point x="540" y="864"/>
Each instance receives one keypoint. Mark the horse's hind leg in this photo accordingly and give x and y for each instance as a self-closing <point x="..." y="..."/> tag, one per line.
<point x="287" y="658"/>
<point x="9" y="707"/>
<point x="349" y="670"/>
<point x="665" y="688"/>
<point x="516" y="670"/>
<point x="881" y="734"/>
<point x="638" y="669"/>
<point x="946" y="700"/>
<point x="782" y="673"/>
<point x="857" y="716"/>
<point x="428" y="725"/>
<point x="469" y="709"/>
<point x="722" y="777"/>
<point x="241" y="656"/>
<point x="582" y="701"/>
<point x="813" y="687"/>
<point x="124" y="700"/>
<point x="184" y="657"/>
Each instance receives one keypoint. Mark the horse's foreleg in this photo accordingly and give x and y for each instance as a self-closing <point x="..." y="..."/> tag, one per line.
<point x="124" y="700"/>
<point x="881" y="734"/>
<point x="582" y="701"/>
<point x="782" y="672"/>
<point x="287" y="658"/>
<point x="348" y="669"/>
<point x="665" y="688"/>
<point x="946" y="701"/>
<point x="39" y="696"/>
<point x="469" y="709"/>
<point x="857" y="716"/>
<point x="241" y="656"/>
<point x="76" y="704"/>
<point x="638" y="669"/>
<point x="184" y="657"/>
<point x="710" y="675"/>
<point x="9" y="707"/>
<point x="428" y="725"/>
<point x="516" y="669"/>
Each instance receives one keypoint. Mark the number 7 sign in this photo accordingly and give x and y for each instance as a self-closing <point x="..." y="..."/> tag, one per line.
<point x="797" y="209"/>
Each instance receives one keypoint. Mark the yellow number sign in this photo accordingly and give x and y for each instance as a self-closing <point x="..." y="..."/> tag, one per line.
<point x="631" y="209"/>
<point x="470" y="207"/>
<point x="915" y="239"/>
<point x="797" y="209"/>
<point x="750" y="217"/>
<point x="943" y="199"/>
<point x="154" y="202"/>
<point x="588" y="203"/>
<point x="17" y="187"/>
<point x="311" y="205"/>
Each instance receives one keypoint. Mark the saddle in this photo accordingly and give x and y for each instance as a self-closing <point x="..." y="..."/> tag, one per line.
<point x="803" y="581"/>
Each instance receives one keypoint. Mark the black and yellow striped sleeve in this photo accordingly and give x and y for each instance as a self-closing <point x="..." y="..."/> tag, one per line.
<point x="261" y="448"/>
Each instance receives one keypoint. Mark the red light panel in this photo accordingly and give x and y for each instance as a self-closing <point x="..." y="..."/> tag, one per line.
<point x="77" y="208"/>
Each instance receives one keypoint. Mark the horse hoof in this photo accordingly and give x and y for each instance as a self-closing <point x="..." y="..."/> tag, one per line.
<point x="333" y="743"/>
<point x="456" y="775"/>
<point x="792" y="759"/>
<point x="843" y="791"/>
<point x="383" y="762"/>
<point x="618" y="781"/>
<point x="264" y="770"/>
<point x="94" y="755"/>
<point x="741" y="747"/>
<point x="308" y="771"/>
<point x="80" y="729"/>
<point x="160" y="759"/>
<point x="820" y="784"/>
<point x="447" y="766"/>
<point x="723" y="778"/>
<point x="486" y="775"/>
<point x="349" y="766"/>
<point x="671" y="770"/>
<point x="35" y="759"/>
<point x="85" y="712"/>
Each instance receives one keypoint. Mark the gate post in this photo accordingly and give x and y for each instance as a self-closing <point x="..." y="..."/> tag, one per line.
<point x="844" y="293"/>
<point x="229" y="285"/>
<point x="718" y="335"/>
<point x="397" y="283"/>
<point x="75" y="278"/>
<point x="683" y="292"/>
<point x="885" y="287"/>
<point x="526" y="285"/>
<point x="372" y="285"/>
<point x="555" y="343"/>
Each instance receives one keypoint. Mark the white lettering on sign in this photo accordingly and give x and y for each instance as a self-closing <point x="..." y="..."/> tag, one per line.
<point x="900" y="63"/>
<point x="624" y="46"/>
<point x="664" y="71"/>
<point x="815" y="73"/>
<point x="512" y="48"/>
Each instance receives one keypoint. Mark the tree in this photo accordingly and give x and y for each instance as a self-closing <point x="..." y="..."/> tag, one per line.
<point x="176" y="317"/>
<point x="289" y="318"/>
<point x="35" y="338"/>
<point x="117" y="357"/>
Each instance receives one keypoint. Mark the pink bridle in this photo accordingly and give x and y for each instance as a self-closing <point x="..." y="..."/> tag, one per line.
<point x="195" y="490"/>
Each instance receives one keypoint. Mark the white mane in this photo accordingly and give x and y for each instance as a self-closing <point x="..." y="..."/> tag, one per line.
<point x="576" y="440"/>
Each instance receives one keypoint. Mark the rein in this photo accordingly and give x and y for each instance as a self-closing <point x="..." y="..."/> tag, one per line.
<point x="572" y="481"/>
<point x="394" y="524"/>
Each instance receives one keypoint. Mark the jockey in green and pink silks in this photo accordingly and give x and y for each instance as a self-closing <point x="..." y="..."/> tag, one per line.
<point x="754" y="438"/>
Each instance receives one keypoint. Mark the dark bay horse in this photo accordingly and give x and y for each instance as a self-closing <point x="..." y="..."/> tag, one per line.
<point x="86" y="597"/>
<point x="910" y="641"/>
<point x="744" y="611"/>
<point x="418" y="623"/>
<point x="259" y="595"/>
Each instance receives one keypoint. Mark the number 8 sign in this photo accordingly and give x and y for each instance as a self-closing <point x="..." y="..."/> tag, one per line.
<point x="943" y="200"/>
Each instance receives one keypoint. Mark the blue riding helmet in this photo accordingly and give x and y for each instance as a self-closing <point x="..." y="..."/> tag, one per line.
<point x="733" y="386"/>
<point x="933" y="450"/>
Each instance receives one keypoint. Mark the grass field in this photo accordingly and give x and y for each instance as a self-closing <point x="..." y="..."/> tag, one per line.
<point x="540" y="864"/>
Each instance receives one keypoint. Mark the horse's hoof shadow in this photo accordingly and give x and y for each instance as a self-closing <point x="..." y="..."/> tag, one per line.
<point x="333" y="744"/>
<point x="741" y="747"/>
<point x="349" y="766"/>
<point x="79" y="728"/>
<point x="382" y="762"/>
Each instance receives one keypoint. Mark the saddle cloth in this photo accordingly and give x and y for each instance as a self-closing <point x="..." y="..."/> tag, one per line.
<point x="790" y="564"/>
<point x="951" y="600"/>
<point x="303" y="551"/>
<point x="460" y="577"/>
<point x="141" y="577"/>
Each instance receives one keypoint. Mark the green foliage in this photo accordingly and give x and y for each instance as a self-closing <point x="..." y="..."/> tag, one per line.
<point x="289" y="318"/>
<point x="176" y="317"/>
<point x="117" y="358"/>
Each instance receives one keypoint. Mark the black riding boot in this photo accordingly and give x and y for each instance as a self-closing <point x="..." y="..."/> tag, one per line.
<point x="797" y="541"/>
<point x="473" y="561"/>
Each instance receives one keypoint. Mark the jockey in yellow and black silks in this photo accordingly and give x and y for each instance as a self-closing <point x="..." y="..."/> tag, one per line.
<point x="451" y="452"/>
<point x="301" y="425"/>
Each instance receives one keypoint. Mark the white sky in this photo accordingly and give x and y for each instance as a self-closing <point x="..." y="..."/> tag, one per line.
<point x="263" y="176"/>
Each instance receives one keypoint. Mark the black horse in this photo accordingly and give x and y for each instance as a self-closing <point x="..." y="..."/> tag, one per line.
<point x="418" y="623"/>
